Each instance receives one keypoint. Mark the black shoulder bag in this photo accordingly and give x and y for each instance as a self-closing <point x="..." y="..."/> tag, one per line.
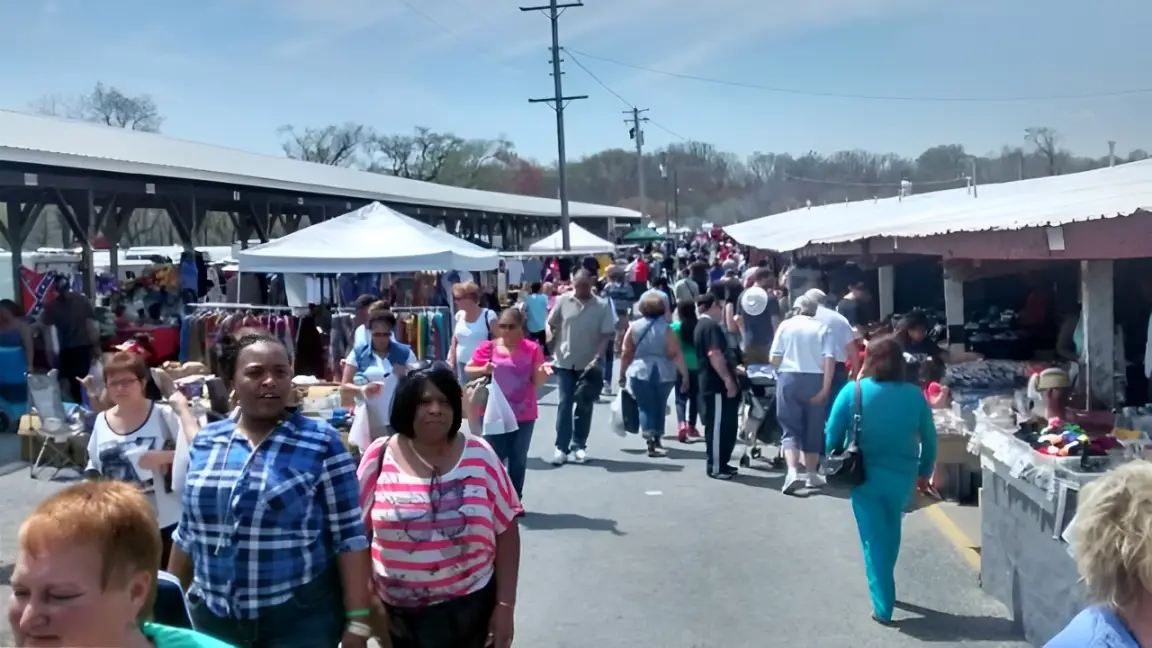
<point x="846" y="467"/>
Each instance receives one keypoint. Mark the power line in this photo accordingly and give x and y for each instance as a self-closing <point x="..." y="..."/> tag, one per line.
<point x="600" y="82"/>
<point x="667" y="130"/>
<point x="597" y="79"/>
<point x="866" y="97"/>
<point x="448" y="30"/>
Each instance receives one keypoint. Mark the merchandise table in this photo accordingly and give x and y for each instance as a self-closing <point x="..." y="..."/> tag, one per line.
<point x="1025" y="561"/>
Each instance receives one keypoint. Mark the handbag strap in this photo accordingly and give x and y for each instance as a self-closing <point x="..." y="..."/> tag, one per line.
<point x="857" y="417"/>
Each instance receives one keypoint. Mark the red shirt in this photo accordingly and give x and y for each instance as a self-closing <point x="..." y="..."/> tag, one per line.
<point x="641" y="274"/>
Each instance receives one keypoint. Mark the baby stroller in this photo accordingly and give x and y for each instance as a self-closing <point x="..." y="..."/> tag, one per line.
<point x="13" y="388"/>
<point x="760" y="425"/>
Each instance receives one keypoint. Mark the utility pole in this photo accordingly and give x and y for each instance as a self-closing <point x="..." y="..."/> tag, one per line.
<point x="554" y="10"/>
<point x="636" y="133"/>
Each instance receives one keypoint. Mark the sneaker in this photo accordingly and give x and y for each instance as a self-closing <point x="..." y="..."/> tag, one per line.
<point x="656" y="450"/>
<point x="731" y="470"/>
<point x="815" y="480"/>
<point x="559" y="458"/>
<point x="722" y="476"/>
<point x="792" y="483"/>
<point x="682" y="433"/>
<point x="694" y="434"/>
<point x="578" y="456"/>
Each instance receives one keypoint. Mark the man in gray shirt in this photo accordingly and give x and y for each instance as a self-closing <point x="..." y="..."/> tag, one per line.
<point x="582" y="327"/>
<point x="758" y="317"/>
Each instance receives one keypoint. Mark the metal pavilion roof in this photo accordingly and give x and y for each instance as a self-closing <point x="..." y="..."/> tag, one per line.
<point x="49" y="141"/>
<point x="1037" y="202"/>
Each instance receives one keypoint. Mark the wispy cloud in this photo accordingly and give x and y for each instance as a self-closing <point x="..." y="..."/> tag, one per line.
<point x="724" y="25"/>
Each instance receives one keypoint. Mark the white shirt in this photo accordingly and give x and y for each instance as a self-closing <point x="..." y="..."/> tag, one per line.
<point x="802" y="344"/>
<point x="841" y="331"/>
<point x="469" y="335"/>
<point x="117" y="456"/>
<point x="381" y="372"/>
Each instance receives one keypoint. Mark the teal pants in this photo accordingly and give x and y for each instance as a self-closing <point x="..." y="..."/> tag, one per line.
<point x="879" y="506"/>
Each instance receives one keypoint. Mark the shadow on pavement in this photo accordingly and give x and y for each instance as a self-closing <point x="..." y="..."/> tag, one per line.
<point x="936" y="626"/>
<point x="608" y="465"/>
<point x="568" y="521"/>
<point x="673" y="453"/>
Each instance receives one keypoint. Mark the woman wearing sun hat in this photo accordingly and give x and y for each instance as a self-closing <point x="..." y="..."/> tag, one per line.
<point x="758" y="318"/>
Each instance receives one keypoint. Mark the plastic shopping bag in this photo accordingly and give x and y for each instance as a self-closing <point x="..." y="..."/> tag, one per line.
<point x="498" y="415"/>
<point x="618" y="414"/>
<point x="625" y="414"/>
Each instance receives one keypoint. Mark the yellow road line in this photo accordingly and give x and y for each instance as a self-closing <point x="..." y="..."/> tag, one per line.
<point x="964" y="544"/>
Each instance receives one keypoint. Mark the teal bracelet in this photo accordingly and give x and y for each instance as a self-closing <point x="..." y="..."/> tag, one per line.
<point x="358" y="614"/>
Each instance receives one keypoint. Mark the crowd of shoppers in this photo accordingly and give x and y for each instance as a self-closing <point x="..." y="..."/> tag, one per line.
<point x="280" y="538"/>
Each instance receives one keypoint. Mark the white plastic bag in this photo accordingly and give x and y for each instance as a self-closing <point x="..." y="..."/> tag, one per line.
<point x="618" y="425"/>
<point x="368" y="418"/>
<point x="498" y="415"/>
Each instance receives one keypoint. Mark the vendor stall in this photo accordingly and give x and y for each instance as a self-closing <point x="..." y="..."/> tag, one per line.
<point x="1033" y="467"/>
<point x="398" y="257"/>
<point x="580" y="240"/>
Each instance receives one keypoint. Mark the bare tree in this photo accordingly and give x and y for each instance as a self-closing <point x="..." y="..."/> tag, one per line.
<point x="332" y="145"/>
<point x="59" y="105"/>
<point x="1047" y="143"/>
<point x="445" y="158"/>
<point x="104" y="105"/>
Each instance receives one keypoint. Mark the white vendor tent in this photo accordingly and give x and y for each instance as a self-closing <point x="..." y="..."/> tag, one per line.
<point x="373" y="238"/>
<point x="581" y="240"/>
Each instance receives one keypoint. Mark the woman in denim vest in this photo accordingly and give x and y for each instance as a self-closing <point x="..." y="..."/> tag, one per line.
<point x="649" y="365"/>
<point x="374" y="368"/>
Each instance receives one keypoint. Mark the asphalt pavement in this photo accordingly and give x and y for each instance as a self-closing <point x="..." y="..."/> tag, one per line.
<point x="628" y="551"/>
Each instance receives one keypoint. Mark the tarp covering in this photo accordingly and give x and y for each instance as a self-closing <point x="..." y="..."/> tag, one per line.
<point x="643" y="234"/>
<point x="1037" y="202"/>
<point x="373" y="238"/>
<point x="580" y="240"/>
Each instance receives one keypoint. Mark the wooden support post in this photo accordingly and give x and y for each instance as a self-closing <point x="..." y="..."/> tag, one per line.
<point x="1098" y="321"/>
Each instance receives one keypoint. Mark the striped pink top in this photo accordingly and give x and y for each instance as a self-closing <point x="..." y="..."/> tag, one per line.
<point x="434" y="542"/>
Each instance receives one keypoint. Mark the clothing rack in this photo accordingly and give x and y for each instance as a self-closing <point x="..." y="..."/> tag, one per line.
<point x="417" y="309"/>
<point x="249" y="307"/>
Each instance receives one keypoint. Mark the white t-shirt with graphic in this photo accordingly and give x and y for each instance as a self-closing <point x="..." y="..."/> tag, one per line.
<point x="117" y="456"/>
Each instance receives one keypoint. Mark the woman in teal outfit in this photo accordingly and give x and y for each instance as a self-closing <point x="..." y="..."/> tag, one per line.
<point x="898" y="441"/>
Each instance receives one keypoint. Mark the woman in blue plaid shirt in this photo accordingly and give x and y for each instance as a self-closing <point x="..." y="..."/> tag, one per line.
<point x="271" y="545"/>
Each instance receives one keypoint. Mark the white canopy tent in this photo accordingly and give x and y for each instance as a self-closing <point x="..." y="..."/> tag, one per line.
<point x="373" y="238"/>
<point x="580" y="240"/>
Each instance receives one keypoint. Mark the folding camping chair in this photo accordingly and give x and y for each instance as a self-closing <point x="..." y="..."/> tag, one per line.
<point x="55" y="428"/>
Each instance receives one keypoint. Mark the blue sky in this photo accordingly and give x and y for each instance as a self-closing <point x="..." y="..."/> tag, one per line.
<point x="231" y="71"/>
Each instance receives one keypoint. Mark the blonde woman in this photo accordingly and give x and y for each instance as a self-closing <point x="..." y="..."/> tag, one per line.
<point x="473" y="325"/>
<point x="1114" y="557"/>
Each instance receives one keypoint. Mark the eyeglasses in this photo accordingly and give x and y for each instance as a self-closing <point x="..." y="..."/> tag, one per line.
<point x="123" y="384"/>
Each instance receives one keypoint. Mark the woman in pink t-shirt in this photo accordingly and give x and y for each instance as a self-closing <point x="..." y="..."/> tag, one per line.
<point x="517" y="365"/>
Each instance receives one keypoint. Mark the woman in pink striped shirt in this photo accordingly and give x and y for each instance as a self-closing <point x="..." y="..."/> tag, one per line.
<point x="441" y="512"/>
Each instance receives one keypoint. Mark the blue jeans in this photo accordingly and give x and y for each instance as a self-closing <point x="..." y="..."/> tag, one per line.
<point x="512" y="449"/>
<point x="574" y="418"/>
<point x="313" y="618"/>
<point x="652" y="402"/>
